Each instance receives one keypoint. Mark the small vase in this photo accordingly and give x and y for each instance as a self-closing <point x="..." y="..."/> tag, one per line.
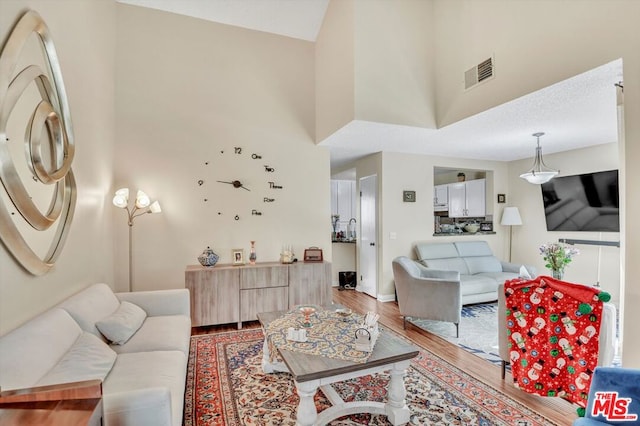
<point x="557" y="273"/>
<point x="252" y="253"/>
<point x="208" y="258"/>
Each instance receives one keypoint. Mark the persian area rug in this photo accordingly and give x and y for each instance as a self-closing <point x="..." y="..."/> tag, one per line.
<point x="478" y="330"/>
<point x="226" y="386"/>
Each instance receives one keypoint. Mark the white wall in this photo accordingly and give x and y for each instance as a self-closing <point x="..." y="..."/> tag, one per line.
<point x="334" y="69"/>
<point x="394" y="62"/>
<point x="533" y="233"/>
<point x="84" y="36"/>
<point x="535" y="45"/>
<point x="187" y="90"/>
<point x="413" y="222"/>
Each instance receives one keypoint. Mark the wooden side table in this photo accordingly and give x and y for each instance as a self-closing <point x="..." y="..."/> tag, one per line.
<point x="68" y="404"/>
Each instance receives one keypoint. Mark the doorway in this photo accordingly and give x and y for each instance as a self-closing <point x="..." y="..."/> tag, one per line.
<point x="368" y="235"/>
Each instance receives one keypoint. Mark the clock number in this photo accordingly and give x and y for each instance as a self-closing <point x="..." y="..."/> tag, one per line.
<point x="269" y="200"/>
<point x="237" y="150"/>
<point x="236" y="217"/>
<point x="269" y="169"/>
<point x="273" y="185"/>
<point x="255" y="212"/>
<point x="256" y="156"/>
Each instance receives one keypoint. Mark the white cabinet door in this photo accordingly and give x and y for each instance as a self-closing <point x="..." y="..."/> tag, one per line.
<point x="467" y="199"/>
<point x="440" y="198"/>
<point x="344" y="200"/>
<point x="475" y="198"/>
<point x="334" y="197"/>
<point x="457" y="199"/>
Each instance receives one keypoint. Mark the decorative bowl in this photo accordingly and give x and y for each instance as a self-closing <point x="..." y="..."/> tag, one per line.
<point x="343" y="312"/>
<point x="208" y="257"/>
<point x="472" y="228"/>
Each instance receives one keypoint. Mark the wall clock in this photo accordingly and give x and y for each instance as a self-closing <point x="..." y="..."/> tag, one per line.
<point x="254" y="178"/>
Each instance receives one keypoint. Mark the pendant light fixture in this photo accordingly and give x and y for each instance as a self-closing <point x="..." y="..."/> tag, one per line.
<point x="540" y="172"/>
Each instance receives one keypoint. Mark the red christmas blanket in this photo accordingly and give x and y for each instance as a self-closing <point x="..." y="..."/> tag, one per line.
<point x="553" y="329"/>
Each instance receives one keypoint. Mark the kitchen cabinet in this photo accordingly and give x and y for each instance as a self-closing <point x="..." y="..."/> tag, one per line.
<point x="441" y="198"/>
<point x="343" y="201"/>
<point x="467" y="199"/>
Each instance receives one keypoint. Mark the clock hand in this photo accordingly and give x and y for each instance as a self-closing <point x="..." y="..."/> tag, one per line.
<point x="236" y="184"/>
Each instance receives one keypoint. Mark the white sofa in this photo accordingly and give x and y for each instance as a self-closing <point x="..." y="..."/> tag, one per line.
<point x="143" y="378"/>
<point x="480" y="271"/>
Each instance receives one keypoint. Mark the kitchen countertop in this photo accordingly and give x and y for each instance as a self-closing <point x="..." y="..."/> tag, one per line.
<point x="453" y="234"/>
<point x="344" y="241"/>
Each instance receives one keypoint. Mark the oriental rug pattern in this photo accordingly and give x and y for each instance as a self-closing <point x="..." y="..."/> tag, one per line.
<point x="226" y="386"/>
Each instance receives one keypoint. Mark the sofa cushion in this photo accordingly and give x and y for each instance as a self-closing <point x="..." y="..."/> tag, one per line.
<point x="477" y="284"/>
<point x="435" y="250"/>
<point x="145" y="370"/>
<point x="499" y="277"/>
<point x="123" y="323"/>
<point x="89" y="358"/>
<point x="91" y="305"/>
<point x="170" y="332"/>
<point x="31" y="350"/>
<point x="473" y="248"/>
<point x="449" y="264"/>
<point x="478" y="264"/>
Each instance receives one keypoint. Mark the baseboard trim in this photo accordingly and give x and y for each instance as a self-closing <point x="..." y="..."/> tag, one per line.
<point x="387" y="297"/>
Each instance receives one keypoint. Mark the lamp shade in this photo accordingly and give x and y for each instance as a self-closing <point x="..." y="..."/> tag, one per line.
<point x="155" y="207"/>
<point x="121" y="198"/>
<point x="511" y="216"/>
<point x="142" y="200"/>
<point x="540" y="172"/>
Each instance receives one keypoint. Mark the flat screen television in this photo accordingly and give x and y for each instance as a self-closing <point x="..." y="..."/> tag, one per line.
<point x="585" y="202"/>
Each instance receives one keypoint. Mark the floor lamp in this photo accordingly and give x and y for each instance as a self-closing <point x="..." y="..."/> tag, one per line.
<point x="510" y="217"/>
<point x="141" y="206"/>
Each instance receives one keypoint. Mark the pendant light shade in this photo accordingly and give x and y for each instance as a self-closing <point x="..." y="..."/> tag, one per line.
<point x="540" y="172"/>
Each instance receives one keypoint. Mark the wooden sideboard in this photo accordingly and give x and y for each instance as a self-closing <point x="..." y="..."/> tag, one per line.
<point x="225" y="293"/>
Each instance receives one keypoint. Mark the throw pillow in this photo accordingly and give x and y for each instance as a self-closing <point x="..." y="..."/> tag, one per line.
<point x="123" y="323"/>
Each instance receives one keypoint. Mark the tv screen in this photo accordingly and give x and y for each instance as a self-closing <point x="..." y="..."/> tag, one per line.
<point x="586" y="202"/>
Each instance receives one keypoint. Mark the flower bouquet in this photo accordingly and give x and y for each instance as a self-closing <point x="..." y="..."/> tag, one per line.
<point x="557" y="256"/>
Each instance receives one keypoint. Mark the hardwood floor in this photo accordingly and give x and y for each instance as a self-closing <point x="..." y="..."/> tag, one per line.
<point x="556" y="409"/>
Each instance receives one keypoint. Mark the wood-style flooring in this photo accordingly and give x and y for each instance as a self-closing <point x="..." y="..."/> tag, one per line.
<point x="555" y="409"/>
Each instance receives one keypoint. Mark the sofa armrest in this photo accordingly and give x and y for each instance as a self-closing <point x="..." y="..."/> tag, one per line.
<point x="160" y="302"/>
<point x="515" y="268"/>
<point x="150" y="406"/>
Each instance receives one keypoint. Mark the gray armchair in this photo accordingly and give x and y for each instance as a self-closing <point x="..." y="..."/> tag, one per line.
<point x="427" y="293"/>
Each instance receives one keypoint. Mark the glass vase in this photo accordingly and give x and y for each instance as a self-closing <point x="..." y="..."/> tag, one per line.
<point x="252" y="253"/>
<point x="557" y="273"/>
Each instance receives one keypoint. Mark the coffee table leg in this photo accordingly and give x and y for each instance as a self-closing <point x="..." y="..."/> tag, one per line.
<point x="306" y="414"/>
<point x="396" y="408"/>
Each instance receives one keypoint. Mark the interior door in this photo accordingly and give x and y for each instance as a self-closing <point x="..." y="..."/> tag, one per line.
<point x="368" y="234"/>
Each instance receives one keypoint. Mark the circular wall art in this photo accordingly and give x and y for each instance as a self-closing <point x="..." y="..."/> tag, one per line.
<point x="47" y="145"/>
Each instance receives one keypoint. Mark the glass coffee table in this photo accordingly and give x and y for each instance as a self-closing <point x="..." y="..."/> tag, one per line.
<point x="310" y="372"/>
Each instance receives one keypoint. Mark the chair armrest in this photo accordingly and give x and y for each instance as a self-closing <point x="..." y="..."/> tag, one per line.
<point x="438" y="274"/>
<point x="160" y="302"/>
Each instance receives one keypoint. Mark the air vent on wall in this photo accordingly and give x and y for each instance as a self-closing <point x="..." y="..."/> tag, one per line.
<point x="479" y="73"/>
